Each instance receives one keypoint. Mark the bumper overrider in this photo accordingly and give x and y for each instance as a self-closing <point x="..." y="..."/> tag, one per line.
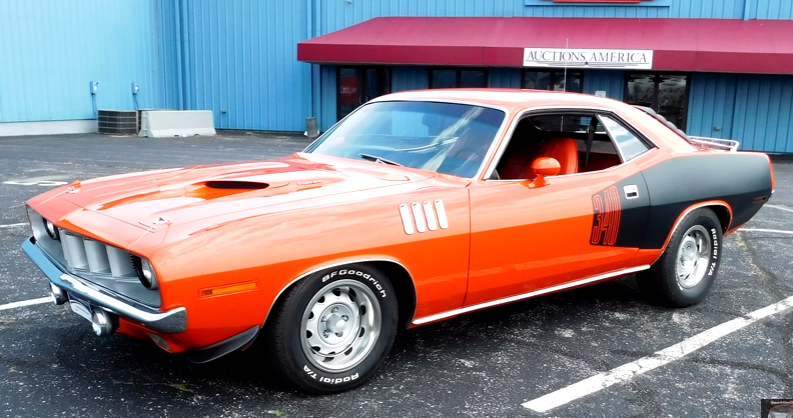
<point x="167" y="322"/>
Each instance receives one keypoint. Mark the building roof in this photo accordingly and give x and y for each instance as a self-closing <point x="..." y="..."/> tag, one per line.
<point x="707" y="45"/>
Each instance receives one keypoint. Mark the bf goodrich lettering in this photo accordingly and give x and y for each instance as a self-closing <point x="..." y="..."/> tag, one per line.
<point x="332" y="381"/>
<point x="361" y="274"/>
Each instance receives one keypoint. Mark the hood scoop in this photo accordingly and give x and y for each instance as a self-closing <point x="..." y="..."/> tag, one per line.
<point x="236" y="185"/>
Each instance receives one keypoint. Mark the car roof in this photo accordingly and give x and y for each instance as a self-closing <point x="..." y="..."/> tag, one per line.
<point x="510" y="99"/>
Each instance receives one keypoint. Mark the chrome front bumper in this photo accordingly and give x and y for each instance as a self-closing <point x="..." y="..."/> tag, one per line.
<point x="172" y="321"/>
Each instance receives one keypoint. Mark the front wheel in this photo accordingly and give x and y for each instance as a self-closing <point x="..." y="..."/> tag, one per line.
<point x="688" y="267"/>
<point x="331" y="331"/>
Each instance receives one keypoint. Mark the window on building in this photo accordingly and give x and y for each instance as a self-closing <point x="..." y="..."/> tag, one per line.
<point x="358" y="85"/>
<point x="457" y="77"/>
<point x="667" y="94"/>
<point x="555" y="80"/>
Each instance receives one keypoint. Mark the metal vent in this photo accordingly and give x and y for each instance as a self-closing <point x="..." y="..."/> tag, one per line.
<point x="118" y="122"/>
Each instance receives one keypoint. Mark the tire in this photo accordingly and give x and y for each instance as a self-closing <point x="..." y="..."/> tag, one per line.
<point x="309" y="334"/>
<point x="688" y="266"/>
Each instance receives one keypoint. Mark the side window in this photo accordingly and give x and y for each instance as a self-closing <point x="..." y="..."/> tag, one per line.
<point x="562" y="136"/>
<point x="630" y="146"/>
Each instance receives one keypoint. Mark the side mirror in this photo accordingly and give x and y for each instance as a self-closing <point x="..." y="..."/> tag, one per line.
<point x="542" y="167"/>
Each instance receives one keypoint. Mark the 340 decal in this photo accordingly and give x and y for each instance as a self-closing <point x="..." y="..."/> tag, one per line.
<point x="606" y="219"/>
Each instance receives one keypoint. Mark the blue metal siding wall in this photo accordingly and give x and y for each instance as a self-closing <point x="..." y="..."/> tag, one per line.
<point x="769" y="9"/>
<point x="241" y="57"/>
<point x="610" y="81"/>
<point x="52" y="49"/>
<point x="328" y="80"/>
<point x="168" y="37"/>
<point x="764" y="113"/>
<point x="409" y="78"/>
<point x="711" y="105"/>
<point x="338" y="14"/>
<point x="504" y="77"/>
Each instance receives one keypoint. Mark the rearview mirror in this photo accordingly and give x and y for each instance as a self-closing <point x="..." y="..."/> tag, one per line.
<point x="542" y="167"/>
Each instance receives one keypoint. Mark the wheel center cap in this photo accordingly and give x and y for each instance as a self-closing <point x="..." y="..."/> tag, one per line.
<point x="336" y="323"/>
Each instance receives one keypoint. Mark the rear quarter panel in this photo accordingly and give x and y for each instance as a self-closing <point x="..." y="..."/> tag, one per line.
<point x="740" y="179"/>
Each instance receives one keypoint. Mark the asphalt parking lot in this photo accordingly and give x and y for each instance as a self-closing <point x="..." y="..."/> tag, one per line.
<point x="483" y="364"/>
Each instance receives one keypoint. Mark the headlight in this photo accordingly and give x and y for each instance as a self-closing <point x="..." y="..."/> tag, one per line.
<point x="145" y="272"/>
<point x="51" y="229"/>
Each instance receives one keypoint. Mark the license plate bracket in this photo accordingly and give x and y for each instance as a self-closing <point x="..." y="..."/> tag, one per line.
<point x="80" y="307"/>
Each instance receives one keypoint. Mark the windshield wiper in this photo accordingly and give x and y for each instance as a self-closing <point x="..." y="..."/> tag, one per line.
<point x="379" y="159"/>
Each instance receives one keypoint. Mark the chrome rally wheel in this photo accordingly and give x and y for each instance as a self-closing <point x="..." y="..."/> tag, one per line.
<point x="341" y="324"/>
<point x="693" y="256"/>
<point x="330" y="331"/>
<point x="687" y="268"/>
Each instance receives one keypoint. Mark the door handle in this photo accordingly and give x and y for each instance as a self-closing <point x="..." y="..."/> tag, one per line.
<point x="631" y="191"/>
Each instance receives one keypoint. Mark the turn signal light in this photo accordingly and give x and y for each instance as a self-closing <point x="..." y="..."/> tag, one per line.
<point x="225" y="290"/>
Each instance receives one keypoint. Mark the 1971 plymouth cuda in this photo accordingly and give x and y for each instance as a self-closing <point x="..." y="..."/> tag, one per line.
<point x="416" y="208"/>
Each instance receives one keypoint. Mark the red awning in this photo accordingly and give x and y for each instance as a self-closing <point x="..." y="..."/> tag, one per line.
<point x="708" y="45"/>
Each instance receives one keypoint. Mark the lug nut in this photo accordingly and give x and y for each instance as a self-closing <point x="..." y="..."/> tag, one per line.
<point x="334" y="310"/>
<point x="323" y="319"/>
<point x="339" y="334"/>
<point x="345" y="317"/>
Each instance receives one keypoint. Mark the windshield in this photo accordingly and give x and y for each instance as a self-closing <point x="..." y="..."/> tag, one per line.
<point x="442" y="137"/>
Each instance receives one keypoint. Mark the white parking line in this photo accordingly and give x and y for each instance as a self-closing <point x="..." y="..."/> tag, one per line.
<point x="13" y="225"/>
<point x="645" y="364"/>
<point x="25" y="303"/>
<point x="778" y="207"/>
<point x="776" y="231"/>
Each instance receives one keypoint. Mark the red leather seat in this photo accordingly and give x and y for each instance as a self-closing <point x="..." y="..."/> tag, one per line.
<point x="518" y="163"/>
<point x="564" y="150"/>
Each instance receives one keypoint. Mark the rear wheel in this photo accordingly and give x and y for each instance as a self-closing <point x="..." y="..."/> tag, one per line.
<point x="688" y="267"/>
<point x="331" y="331"/>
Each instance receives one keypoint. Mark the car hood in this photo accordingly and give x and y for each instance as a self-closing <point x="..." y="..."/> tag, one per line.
<point x="180" y="196"/>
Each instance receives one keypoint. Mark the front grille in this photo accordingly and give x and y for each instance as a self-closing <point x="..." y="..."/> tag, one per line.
<point x="92" y="260"/>
<point x="84" y="254"/>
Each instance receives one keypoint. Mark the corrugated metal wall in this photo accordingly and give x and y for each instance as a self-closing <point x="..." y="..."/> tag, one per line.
<point x="711" y="105"/>
<point x="241" y="58"/>
<point x="504" y="77"/>
<point x="610" y="81"/>
<point x="328" y="80"/>
<point x="756" y="110"/>
<point x="409" y="78"/>
<point x="338" y="14"/>
<point x="51" y="49"/>
<point x="764" y="113"/>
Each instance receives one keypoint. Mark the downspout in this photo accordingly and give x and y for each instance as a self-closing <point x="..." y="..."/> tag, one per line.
<point x="747" y="6"/>
<point x="310" y="34"/>
<point x="184" y="46"/>
<point x="179" y="76"/>
<point x="316" y="71"/>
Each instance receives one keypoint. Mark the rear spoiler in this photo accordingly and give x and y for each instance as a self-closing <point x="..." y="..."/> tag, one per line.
<point x="697" y="141"/>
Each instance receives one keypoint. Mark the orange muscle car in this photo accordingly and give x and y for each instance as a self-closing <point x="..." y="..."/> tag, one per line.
<point x="417" y="207"/>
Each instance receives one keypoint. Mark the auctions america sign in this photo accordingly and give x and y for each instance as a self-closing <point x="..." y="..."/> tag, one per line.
<point x="588" y="58"/>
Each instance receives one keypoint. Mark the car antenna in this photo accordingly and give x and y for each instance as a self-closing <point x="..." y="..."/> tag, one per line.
<point x="567" y="47"/>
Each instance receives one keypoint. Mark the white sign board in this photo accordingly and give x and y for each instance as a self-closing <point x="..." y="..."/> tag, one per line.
<point x="588" y="58"/>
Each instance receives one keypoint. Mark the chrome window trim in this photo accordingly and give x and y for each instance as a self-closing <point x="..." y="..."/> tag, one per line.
<point x="540" y="109"/>
<point x="490" y="149"/>
<point x="613" y="140"/>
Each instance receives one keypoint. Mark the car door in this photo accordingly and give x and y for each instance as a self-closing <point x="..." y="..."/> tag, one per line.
<point x="525" y="239"/>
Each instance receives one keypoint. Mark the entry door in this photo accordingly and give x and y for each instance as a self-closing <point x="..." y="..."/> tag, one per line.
<point x="526" y="239"/>
<point x="358" y="85"/>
